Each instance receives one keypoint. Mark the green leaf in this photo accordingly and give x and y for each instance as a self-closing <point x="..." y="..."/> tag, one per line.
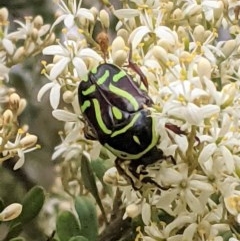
<point x="78" y="238"/>
<point x="14" y="231"/>
<point x="67" y="226"/>
<point x="87" y="214"/>
<point x="89" y="182"/>
<point x="32" y="204"/>
<point x="1" y="204"/>
<point x="99" y="167"/>
<point x="17" y="239"/>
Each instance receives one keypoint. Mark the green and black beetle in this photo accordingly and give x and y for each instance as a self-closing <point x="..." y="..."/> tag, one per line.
<point x="115" y="108"/>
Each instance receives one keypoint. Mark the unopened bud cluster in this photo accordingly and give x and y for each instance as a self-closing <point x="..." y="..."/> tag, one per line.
<point x="14" y="141"/>
<point x="28" y="40"/>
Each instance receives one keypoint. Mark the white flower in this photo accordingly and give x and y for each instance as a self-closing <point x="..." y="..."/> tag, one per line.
<point x="69" y="53"/>
<point x="54" y="88"/>
<point x="70" y="148"/>
<point x="71" y="12"/>
<point x="182" y="106"/>
<point x="21" y="146"/>
<point x="26" y="29"/>
<point x="187" y="191"/>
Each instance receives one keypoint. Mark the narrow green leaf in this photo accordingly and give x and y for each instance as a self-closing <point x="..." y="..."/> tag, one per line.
<point x="87" y="214"/>
<point x="89" y="182"/>
<point x="14" y="231"/>
<point x="67" y="226"/>
<point x="32" y="204"/>
<point x="99" y="167"/>
<point x="17" y="239"/>
<point x="1" y="204"/>
<point x="78" y="238"/>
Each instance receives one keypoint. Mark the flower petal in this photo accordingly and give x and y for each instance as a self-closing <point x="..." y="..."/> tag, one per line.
<point x="86" y="13"/>
<point x="43" y="90"/>
<point x="64" y="115"/>
<point x="137" y="35"/>
<point x="55" y="96"/>
<point x="126" y="13"/>
<point x="58" y="68"/>
<point x="80" y="66"/>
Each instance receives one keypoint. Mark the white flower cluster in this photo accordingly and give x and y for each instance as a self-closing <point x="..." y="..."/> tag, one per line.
<point x="28" y="40"/>
<point x="193" y="76"/>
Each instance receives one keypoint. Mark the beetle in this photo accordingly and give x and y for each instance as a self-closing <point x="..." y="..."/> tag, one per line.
<point x="114" y="106"/>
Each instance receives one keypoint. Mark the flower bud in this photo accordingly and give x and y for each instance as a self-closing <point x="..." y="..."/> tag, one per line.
<point x="193" y="11"/>
<point x="118" y="44"/>
<point x="186" y="57"/>
<point x="234" y="30"/>
<point x="124" y="34"/>
<point x="204" y="68"/>
<point x="11" y="212"/>
<point x="169" y="6"/>
<point x="228" y="47"/>
<point x="229" y="91"/>
<point x="111" y="176"/>
<point x="132" y="210"/>
<point x="28" y="141"/>
<point x="104" y="18"/>
<point x="68" y="97"/>
<point x="182" y="33"/>
<point x="21" y="107"/>
<point x="19" y="55"/>
<point x="233" y="204"/>
<point x="7" y="117"/>
<point x="198" y="33"/>
<point x="177" y="14"/>
<point x="119" y="57"/>
<point x="160" y="54"/>
<point x="3" y="15"/>
<point x="50" y="38"/>
<point x="94" y="12"/>
<point x="166" y="45"/>
<point x="219" y="10"/>
<point x="38" y="22"/>
<point x="34" y="34"/>
<point x="14" y="100"/>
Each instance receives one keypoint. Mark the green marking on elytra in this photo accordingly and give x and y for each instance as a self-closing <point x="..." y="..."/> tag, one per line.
<point x="118" y="76"/>
<point x="94" y="70"/>
<point x="125" y="95"/>
<point x="103" y="78"/>
<point x="89" y="90"/>
<point x="85" y="78"/>
<point x="99" y="117"/>
<point x="117" y="113"/>
<point x="136" y="139"/>
<point x="128" y="126"/>
<point x="130" y="156"/>
<point x="85" y="105"/>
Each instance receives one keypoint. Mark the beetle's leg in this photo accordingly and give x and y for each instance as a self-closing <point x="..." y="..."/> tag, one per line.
<point x="176" y="129"/>
<point x="136" y="68"/>
<point x="123" y="172"/>
<point x="141" y="176"/>
<point x="155" y="155"/>
<point x="88" y="133"/>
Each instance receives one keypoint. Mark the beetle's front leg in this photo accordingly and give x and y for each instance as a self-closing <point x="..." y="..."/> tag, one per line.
<point x="141" y="174"/>
<point x="124" y="173"/>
